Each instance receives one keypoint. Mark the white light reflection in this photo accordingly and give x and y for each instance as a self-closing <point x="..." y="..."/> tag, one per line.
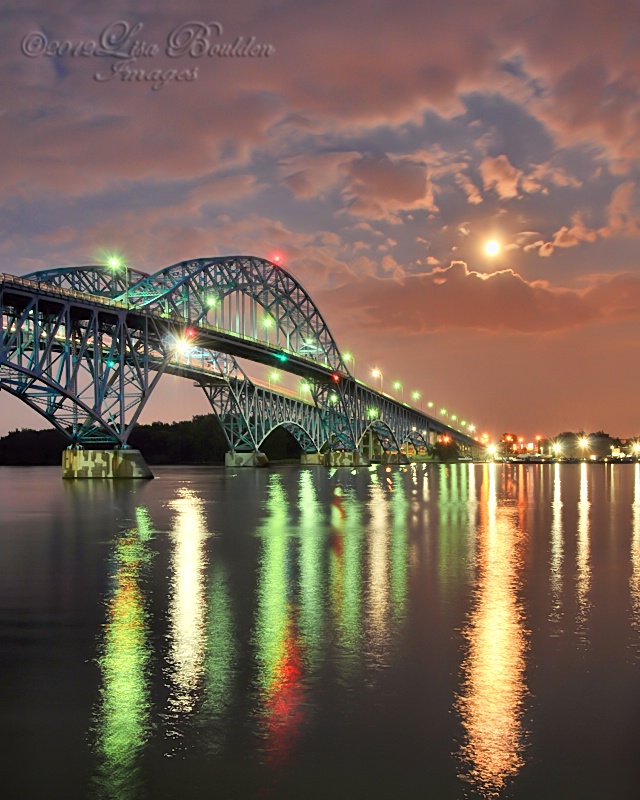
<point x="187" y="605"/>
<point x="493" y="689"/>
<point x="378" y="590"/>
<point x="634" y="582"/>
<point x="583" y="583"/>
<point x="557" y="549"/>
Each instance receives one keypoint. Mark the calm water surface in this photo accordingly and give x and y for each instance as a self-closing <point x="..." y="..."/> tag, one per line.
<point x="435" y="631"/>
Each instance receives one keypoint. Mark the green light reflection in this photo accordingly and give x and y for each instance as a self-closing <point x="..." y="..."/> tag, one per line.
<point x="123" y="717"/>
<point x="221" y="660"/>
<point x="278" y="649"/>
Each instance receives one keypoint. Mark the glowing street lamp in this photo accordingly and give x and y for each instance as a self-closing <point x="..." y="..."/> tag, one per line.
<point x="349" y="359"/>
<point x="377" y="374"/>
<point x="304" y="388"/>
<point x="398" y="387"/>
<point x="115" y="263"/>
<point x="415" y="396"/>
<point x="274" y="377"/>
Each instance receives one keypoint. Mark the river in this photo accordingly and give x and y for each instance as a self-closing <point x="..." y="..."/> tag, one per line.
<point x="429" y="631"/>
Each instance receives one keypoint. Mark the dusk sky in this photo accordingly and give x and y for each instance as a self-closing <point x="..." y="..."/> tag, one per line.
<point x="378" y="147"/>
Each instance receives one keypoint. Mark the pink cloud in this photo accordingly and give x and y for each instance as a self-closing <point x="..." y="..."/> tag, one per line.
<point x="455" y="297"/>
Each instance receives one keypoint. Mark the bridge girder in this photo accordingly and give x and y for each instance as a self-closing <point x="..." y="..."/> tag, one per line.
<point x="221" y="301"/>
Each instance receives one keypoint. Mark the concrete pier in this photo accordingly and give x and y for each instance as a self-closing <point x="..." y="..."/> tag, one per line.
<point x="104" y="464"/>
<point x="254" y="459"/>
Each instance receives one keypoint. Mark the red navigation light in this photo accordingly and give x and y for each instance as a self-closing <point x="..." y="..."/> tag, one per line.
<point x="335" y="377"/>
<point x="190" y="333"/>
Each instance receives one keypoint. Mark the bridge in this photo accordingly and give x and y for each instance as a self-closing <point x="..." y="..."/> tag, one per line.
<point x="86" y="346"/>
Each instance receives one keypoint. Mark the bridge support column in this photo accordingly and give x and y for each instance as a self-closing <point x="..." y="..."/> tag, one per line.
<point x="233" y="458"/>
<point x="104" y="464"/>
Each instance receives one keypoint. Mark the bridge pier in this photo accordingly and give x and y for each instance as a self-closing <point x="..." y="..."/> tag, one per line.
<point x="233" y="458"/>
<point x="104" y="464"/>
<point x="335" y="458"/>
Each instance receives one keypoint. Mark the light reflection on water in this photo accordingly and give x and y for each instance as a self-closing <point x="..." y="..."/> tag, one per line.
<point x="634" y="581"/>
<point x="333" y="589"/>
<point x="557" y="548"/>
<point x="583" y="579"/>
<point x="187" y="610"/>
<point x="123" y="717"/>
<point x="493" y="688"/>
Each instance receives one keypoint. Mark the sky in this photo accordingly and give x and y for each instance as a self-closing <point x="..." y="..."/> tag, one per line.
<point x="377" y="147"/>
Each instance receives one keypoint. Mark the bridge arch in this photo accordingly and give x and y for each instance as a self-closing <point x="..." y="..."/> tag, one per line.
<point x="98" y="280"/>
<point x="299" y="433"/>
<point x="383" y="433"/>
<point x="249" y="296"/>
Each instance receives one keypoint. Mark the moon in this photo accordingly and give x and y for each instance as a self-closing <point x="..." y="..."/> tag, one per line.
<point x="492" y="247"/>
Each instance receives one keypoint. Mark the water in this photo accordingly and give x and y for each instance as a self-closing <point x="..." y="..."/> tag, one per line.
<point x="435" y="631"/>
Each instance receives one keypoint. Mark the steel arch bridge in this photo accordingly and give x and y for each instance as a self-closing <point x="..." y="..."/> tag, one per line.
<point x="86" y="346"/>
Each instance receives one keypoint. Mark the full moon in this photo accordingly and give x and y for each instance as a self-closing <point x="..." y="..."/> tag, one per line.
<point x="492" y="248"/>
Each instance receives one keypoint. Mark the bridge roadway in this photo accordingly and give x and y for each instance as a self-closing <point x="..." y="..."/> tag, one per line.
<point x="88" y="361"/>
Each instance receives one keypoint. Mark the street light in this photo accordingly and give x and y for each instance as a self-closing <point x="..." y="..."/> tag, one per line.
<point x="415" y="396"/>
<point x="399" y="387"/>
<point x="377" y="374"/>
<point x="348" y="357"/>
<point x="115" y="263"/>
<point x="274" y="376"/>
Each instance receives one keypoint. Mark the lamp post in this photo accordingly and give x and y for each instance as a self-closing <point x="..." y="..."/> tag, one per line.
<point x="377" y="374"/>
<point x="115" y="264"/>
<point x="398" y="387"/>
<point x="415" y="396"/>
<point x="349" y="359"/>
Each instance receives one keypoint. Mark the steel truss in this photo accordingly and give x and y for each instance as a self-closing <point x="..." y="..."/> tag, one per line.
<point x="85" y="346"/>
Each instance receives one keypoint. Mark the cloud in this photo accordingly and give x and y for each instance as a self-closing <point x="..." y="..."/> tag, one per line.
<point x="379" y="187"/>
<point x="501" y="176"/>
<point x="455" y="297"/>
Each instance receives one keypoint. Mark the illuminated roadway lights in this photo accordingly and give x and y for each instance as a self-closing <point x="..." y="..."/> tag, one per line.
<point x="398" y="387"/>
<point x="377" y="374"/>
<point x="348" y="358"/>
<point x="274" y="377"/>
<point x="584" y="443"/>
<point x="415" y="396"/>
<point x="636" y="449"/>
<point x="492" y="450"/>
<point x="115" y="263"/>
